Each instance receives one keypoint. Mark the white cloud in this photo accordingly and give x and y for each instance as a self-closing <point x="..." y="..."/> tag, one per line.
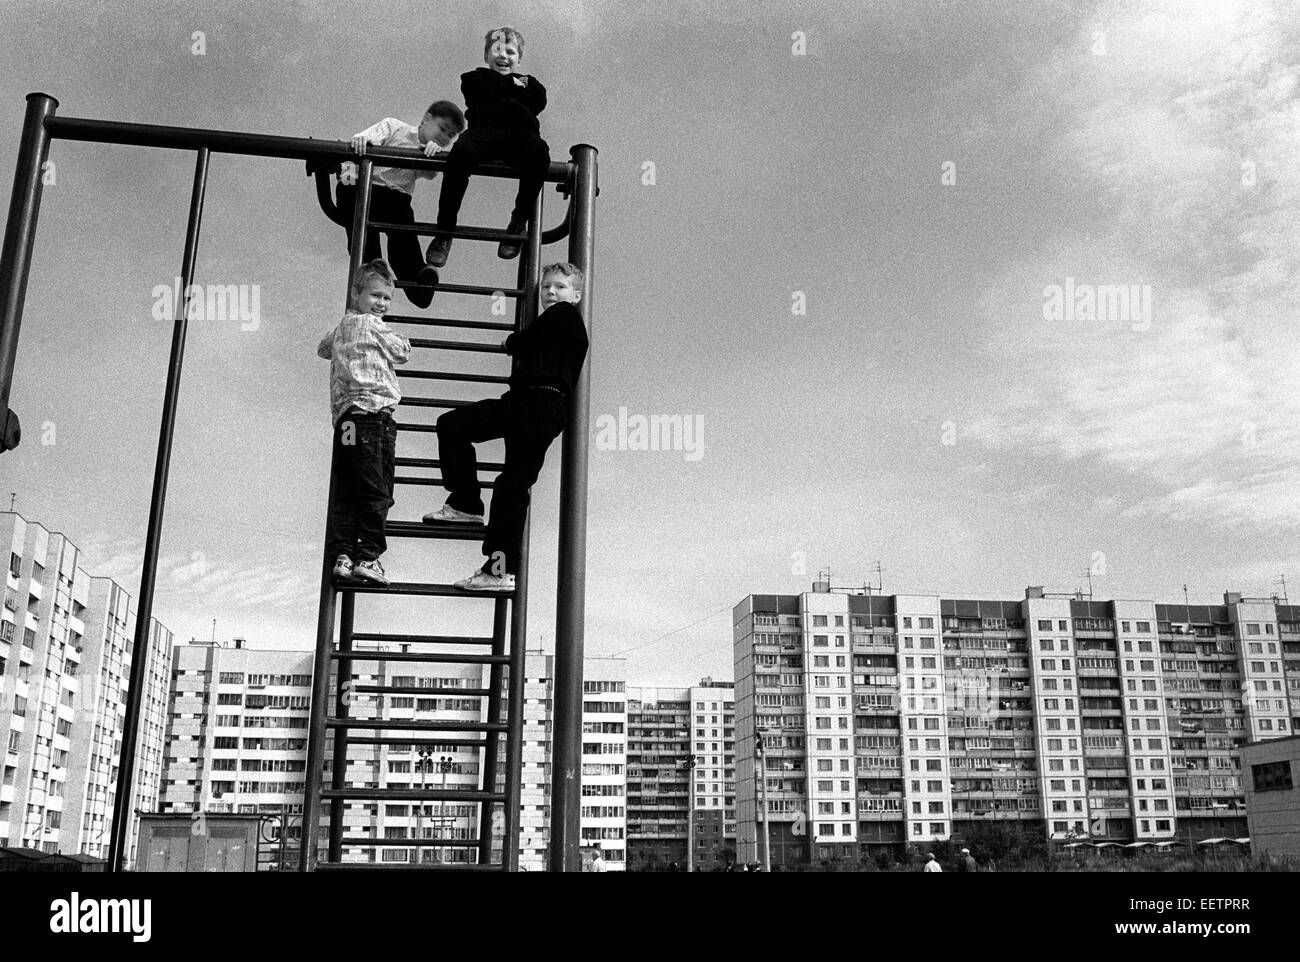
<point x="1203" y="404"/>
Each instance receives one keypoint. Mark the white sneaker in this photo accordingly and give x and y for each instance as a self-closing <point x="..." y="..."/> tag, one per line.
<point x="343" y="567"/>
<point x="480" y="581"/>
<point x="370" y="571"/>
<point x="448" y="513"/>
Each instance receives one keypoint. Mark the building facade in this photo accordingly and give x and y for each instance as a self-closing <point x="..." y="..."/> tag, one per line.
<point x="1271" y="773"/>
<point x="66" y="644"/>
<point x="890" y="720"/>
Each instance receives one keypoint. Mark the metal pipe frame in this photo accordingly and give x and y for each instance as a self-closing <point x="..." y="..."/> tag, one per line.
<point x="153" y="538"/>
<point x="16" y="255"/>
<point x="570" y="614"/>
<point x="320" y="681"/>
<point x="342" y="689"/>
<point x="490" y="745"/>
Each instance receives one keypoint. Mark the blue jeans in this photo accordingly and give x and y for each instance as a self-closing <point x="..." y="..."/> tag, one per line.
<point x="365" y="446"/>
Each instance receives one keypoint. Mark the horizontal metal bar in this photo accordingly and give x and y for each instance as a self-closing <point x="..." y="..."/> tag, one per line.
<point x="424" y="428"/>
<point x="404" y="479"/>
<point x="435" y="657"/>
<point x="450" y="531"/>
<point x="413" y="794"/>
<point x="268" y="145"/>
<point x="434" y="402"/>
<point x="456" y="375"/>
<point x="464" y="289"/>
<point x="437" y="463"/>
<point x="467" y="233"/>
<point x="420" y="639"/>
<point x="411" y="842"/>
<point x="419" y="589"/>
<point x="407" y="867"/>
<point x="496" y="348"/>
<point x="474" y="743"/>
<point x="417" y="690"/>
<point x="449" y="322"/>
<point x="413" y="725"/>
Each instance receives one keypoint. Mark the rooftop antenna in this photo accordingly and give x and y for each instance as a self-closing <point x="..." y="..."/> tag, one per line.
<point x="13" y="496"/>
<point x="1185" y="601"/>
<point x="879" y="572"/>
<point x="1281" y="579"/>
<point x="1088" y="574"/>
<point x="214" y="631"/>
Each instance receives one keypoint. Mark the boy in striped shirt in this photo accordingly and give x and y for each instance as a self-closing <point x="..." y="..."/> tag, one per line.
<point x="362" y="350"/>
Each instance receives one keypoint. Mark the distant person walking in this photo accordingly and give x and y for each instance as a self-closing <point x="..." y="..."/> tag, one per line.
<point x="932" y="865"/>
<point x="967" y="862"/>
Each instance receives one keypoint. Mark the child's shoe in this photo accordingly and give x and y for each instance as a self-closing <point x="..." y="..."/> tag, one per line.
<point x="343" y="568"/>
<point x="422" y="296"/>
<point x="509" y="250"/>
<point x="438" y="251"/>
<point x="370" y="570"/>
<point x="448" y="513"/>
<point x="480" y="580"/>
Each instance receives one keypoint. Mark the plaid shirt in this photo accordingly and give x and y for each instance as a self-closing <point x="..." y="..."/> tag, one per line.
<point x="362" y="351"/>
<point x="391" y="132"/>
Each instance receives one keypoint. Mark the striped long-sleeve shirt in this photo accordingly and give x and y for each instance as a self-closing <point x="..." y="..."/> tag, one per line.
<point x="362" y="350"/>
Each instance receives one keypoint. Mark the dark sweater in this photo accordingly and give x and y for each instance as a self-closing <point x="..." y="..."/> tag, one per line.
<point x="494" y="101"/>
<point x="550" y="351"/>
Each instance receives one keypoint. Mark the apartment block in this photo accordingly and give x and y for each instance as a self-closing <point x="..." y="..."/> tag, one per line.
<point x="889" y="720"/>
<point x="665" y="727"/>
<point x="66" y="644"/>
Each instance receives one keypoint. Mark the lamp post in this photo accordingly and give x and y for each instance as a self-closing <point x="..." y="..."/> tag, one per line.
<point x="423" y="764"/>
<point x="762" y="801"/>
<point x="689" y="765"/>
<point x="444" y="766"/>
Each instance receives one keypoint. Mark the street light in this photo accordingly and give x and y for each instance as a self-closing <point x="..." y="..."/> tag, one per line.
<point x="423" y="764"/>
<point x="444" y="766"/>
<point x="689" y="765"/>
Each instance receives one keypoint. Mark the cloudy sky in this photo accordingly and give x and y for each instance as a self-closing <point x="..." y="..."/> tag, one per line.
<point x="918" y="174"/>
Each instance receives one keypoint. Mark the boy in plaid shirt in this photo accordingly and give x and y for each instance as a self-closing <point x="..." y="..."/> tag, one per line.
<point x="362" y="350"/>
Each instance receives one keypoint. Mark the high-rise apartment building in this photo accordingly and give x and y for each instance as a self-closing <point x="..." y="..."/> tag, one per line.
<point x="666" y="726"/>
<point x="900" y="719"/>
<point x="66" y="644"/>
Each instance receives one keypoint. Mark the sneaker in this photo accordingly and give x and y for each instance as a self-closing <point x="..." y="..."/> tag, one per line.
<point x="482" y="581"/>
<point x="448" y="513"/>
<point x="343" y="567"/>
<point x="438" y="251"/>
<point x="422" y="296"/>
<point x="509" y="250"/>
<point x="370" y="570"/>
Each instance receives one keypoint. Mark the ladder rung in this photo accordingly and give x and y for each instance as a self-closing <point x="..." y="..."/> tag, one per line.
<point x="407" y="426"/>
<point x="415" y="690"/>
<point x="411" y="842"/>
<point x="420" y="589"/>
<point x="437" y="463"/>
<point x="458" y="742"/>
<point x="414" y="725"/>
<point x="432" y="656"/>
<point x="449" y="322"/>
<point x="426" y="639"/>
<point x="439" y="345"/>
<point x="407" y="867"/>
<point x="465" y="289"/>
<point x="432" y="402"/>
<point x="403" y="479"/>
<point x="458" y="376"/>
<point x="450" y="530"/>
<point x="426" y="229"/>
<point x="413" y="794"/>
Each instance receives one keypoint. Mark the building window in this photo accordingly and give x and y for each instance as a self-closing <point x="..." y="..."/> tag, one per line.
<point x="1271" y="776"/>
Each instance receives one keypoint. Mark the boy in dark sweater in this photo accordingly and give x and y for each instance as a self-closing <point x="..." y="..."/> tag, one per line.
<point x="529" y="416"/>
<point x="501" y="108"/>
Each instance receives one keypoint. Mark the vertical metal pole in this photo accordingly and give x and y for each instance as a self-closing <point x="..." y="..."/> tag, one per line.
<point x="762" y="794"/>
<point x="566" y="783"/>
<point x="320" y="683"/>
<point x="153" y="538"/>
<point x="342" y="696"/>
<point x="690" y="813"/>
<point x="16" y="255"/>
<point x="490" y="749"/>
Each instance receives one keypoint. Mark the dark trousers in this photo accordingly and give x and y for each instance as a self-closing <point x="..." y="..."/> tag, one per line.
<point x="529" y="420"/>
<point x="361" y="474"/>
<point x="391" y="207"/>
<point x="477" y="146"/>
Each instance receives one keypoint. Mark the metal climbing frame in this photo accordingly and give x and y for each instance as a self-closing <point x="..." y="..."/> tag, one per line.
<point x="577" y="179"/>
